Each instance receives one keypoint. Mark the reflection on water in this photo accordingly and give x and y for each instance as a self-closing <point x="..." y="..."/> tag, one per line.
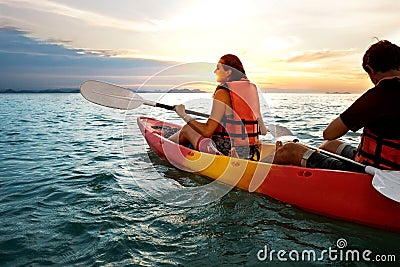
<point x="70" y="196"/>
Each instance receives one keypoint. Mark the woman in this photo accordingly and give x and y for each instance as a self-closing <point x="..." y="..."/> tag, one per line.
<point x="235" y="120"/>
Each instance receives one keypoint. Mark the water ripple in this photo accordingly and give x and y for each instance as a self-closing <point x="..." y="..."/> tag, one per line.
<point x="73" y="183"/>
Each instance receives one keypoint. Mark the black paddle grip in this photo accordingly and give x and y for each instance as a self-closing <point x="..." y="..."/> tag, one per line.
<point x="159" y="105"/>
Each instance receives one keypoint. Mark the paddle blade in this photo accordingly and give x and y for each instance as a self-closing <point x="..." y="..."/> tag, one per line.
<point x="110" y="95"/>
<point x="386" y="182"/>
<point x="278" y="131"/>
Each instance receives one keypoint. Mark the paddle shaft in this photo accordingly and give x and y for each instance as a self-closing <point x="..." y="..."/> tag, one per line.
<point x="169" y="107"/>
<point x="333" y="155"/>
<point x="386" y="182"/>
<point x="327" y="153"/>
<point x="114" y="96"/>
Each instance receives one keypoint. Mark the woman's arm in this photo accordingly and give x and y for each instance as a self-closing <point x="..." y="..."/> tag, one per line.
<point x="263" y="128"/>
<point x="220" y="102"/>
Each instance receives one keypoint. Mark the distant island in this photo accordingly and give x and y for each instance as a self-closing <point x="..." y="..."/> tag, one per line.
<point x="43" y="91"/>
<point x="338" y="93"/>
<point x="76" y="90"/>
<point x="159" y="91"/>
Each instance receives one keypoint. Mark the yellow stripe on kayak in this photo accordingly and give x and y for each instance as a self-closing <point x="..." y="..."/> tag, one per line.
<point x="245" y="174"/>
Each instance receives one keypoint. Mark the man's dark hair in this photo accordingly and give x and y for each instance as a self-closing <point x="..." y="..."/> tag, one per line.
<point x="382" y="56"/>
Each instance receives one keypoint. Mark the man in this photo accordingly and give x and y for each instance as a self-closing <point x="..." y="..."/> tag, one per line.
<point x="377" y="111"/>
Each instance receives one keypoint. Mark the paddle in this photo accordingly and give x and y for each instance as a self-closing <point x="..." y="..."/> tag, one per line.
<point x="113" y="96"/>
<point x="386" y="182"/>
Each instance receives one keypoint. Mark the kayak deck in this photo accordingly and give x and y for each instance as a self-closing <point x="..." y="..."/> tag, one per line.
<point x="337" y="194"/>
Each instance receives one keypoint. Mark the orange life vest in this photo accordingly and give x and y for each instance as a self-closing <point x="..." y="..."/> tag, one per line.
<point x="242" y="127"/>
<point x="378" y="152"/>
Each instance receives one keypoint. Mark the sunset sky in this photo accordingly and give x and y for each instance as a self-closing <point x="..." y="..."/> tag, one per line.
<point x="285" y="44"/>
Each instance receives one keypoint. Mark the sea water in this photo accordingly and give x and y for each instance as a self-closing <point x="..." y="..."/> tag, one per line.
<point x="76" y="182"/>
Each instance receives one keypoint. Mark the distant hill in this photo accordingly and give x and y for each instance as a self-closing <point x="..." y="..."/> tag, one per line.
<point x="76" y="90"/>
<point x="62" y="90"/>
<point x="337" y="93"/>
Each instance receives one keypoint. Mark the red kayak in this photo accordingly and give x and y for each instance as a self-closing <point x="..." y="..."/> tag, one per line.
<point x="342" y="195"/>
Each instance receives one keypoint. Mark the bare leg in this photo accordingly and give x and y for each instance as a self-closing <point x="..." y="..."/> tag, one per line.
<point x="186" y="135"/>
<point x="289" y="153"/>
<point x="331" y="145"/>
<point x="175" y="137"/>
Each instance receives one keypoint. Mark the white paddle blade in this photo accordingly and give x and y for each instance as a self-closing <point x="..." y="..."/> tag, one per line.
<point x="386" y="182"/>
<point x="278" y="131"/>
<point x="110" y="95"/>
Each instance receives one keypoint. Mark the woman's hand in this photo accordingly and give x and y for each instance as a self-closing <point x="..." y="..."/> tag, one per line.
<point x="180" y="110"/>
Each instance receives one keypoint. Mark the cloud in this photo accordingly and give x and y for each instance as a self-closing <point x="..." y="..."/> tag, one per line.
<point x="264" y="34"/>
<point x="314" y="55"/>
<point x="128" y="53"/>
<point x="180" y="21"/>
<point x="26" y="63"/>
<point x="87" y="17"/>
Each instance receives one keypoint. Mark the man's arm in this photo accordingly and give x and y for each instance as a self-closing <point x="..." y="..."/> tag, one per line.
<point x="335" y="129"/>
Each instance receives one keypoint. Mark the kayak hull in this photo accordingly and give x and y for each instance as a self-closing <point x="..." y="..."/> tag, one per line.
<point x="342" y="195"/>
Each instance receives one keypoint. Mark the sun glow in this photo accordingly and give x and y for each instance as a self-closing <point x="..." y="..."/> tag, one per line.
<point x="282" y="44"/>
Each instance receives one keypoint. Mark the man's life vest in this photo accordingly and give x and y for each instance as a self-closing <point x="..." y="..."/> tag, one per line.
<point x="378" y="152"/>
<point x="242" y="127"/>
